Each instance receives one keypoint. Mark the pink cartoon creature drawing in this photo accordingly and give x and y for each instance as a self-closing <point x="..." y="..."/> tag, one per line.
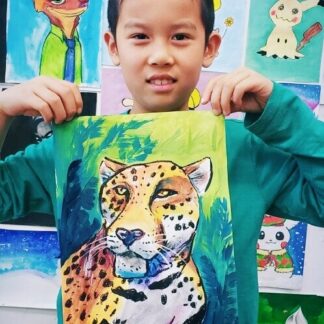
<point x="282" y="42"/>
<point x="272" y="245"/>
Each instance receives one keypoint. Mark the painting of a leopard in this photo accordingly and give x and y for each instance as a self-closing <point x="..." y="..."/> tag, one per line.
<point x="138" y="268"/>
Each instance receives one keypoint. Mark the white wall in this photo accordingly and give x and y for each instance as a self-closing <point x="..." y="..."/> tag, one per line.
<point x="11" y="315"/>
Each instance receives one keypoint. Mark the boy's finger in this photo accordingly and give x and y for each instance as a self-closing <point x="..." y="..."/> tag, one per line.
<point x="69" y="94"/>
<point x="66" y="93"/>
<point x="42" y="108"/>
<point x="31" y="113"/>
<point x="207" y="92"/>
<point x="245" y="90"/>
<point x="239" y="93"/>
<point x="54" y="103"/>
<point x="215" y="99"/>
<point x="77" y="96"/>
<point x="225" y="99"/>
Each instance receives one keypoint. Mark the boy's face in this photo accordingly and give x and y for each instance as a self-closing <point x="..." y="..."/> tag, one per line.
<point x="160" y="46"/>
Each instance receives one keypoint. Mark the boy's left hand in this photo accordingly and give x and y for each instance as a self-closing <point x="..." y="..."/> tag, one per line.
<point x="242" y="90"/>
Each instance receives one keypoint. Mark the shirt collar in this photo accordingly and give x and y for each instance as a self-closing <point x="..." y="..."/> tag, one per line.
<point x="57" y="31"/>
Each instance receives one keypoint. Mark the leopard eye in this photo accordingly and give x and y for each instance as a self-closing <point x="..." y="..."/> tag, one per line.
<point x="121" y="190"/>
<point x="281" y="7"/>
<point x="163" y="193"/>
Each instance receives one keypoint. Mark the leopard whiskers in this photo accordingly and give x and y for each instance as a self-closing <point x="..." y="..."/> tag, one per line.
<point x="173" y="251"/>
<point x="163" y="257"/>
<point x="90" y="255"/>
<point x="97" y="244"/>
<point x="94" y="251"/>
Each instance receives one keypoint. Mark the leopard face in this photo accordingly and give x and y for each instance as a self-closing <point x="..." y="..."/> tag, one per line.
<point x="140" y="258"/>
<point x="150" y="213"/>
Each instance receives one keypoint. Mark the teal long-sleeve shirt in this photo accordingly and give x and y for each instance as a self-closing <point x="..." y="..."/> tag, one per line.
<point x="275" y="166"/>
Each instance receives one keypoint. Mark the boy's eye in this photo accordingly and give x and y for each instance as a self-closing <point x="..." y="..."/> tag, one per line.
<point x="180" y="37"/>
<point x="140" y="36"/>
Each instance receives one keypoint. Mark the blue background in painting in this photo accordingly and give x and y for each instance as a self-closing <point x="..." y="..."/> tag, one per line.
<point x="27" y="30"/>
<point x="309" y="93"/>
<point x="296" y="247"/>
<point x="29" y="250"/>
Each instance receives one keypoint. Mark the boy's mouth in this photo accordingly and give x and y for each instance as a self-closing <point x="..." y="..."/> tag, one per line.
<point x="161" y="80"/>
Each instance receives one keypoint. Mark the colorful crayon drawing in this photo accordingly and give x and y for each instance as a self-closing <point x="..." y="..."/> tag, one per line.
<point x="154" y="239"/>
<point x="29" y="266"/>
<point x="282" y="42"/>
<point x="289" y="45"/>
<point x="280" y="253"/>
<point x="54" y="38"/>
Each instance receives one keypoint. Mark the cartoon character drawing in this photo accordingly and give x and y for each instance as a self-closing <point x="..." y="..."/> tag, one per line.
<point x="282" y="41"/>
<point x="61" y="53"/>
<point x="272" y="243"/>
<point x="138" y="268"/>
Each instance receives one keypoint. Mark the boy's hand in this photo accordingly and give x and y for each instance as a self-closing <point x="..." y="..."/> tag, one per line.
<point x="242" y="90"/>
<point x="55" y="100"/>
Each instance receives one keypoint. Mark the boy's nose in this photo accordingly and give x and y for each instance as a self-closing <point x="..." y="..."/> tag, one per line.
<point x="161" y="55"/>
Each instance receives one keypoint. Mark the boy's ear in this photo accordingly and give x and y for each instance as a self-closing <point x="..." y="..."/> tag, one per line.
<point x="211" y="50"/>
<point x="112" y="47"/>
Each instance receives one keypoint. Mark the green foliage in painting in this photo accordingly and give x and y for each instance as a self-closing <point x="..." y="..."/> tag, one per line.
<point x="215" y="230"/>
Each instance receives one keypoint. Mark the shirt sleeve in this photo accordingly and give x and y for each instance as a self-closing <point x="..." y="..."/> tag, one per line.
<point x="27" y="182"/>
<point x="287" y="125"/>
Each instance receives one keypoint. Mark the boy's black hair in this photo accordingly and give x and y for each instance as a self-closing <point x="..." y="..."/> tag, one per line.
<point x="207" y="16"/>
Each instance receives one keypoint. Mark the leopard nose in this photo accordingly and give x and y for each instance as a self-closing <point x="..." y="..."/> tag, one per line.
<point x="128" y="237"/>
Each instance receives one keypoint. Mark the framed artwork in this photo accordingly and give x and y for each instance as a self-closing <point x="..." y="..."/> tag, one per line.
<point x="41" y="40"/>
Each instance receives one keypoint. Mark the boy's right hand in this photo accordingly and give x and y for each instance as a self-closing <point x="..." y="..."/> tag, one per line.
<point x="53" y="99"/>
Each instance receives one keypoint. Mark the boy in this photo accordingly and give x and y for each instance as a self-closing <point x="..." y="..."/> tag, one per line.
<point x="275" y="164"/>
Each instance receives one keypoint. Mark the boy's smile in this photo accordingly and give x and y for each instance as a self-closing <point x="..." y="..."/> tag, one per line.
<point x="160" y="46"/>
<point x="161" y="82"/>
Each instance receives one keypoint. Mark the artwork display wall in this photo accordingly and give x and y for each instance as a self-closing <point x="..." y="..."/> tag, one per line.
<point x="282" y="39"/>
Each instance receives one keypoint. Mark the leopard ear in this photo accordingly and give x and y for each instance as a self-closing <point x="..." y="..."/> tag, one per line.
<point x="108" y="169"/>
<point x="200" y="174"/>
